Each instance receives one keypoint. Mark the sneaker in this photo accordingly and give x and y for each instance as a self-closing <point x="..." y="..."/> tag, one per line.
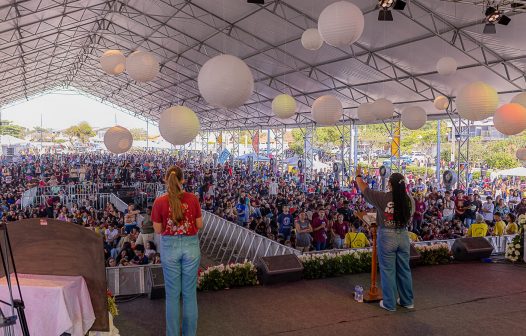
<point x="411" y="306"/>
<point x="384" y="307"/>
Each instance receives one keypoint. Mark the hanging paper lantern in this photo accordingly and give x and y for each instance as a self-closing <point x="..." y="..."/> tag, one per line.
<point x="414" y="117"/>
<point x="327" y="110"/>
<point x="365" y="114"/>
<point x="225" y="81"/>
<point x="520" y="99"/>
<point x="441" y="103"/>
<point x="477" y="101"/>
<point x="382" y="109"/>
<point x="284" y="106"/>
<point x="179" y="125"/>
<point x="311" y="39"/>
<point x="113" y="62"/>
<point x="521" y="154"/>
<point x="142" y="66"/>
<point x="446" y="66"/>
<point x="341" y="24"/>
<point x="118" y="139"/>
<point x="510" y="119"/>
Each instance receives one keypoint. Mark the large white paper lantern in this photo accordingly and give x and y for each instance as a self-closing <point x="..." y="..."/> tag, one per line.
<point x="510" y="119"/>
<point x="521" y="154"/>
<point x="327" y="110"/>
<point x="441" y="103"/>
<point x="113" y="62"/>
<point x="413" y="117"/>
<point x="365" y="113"/>
<point x="118" y="140"/>
<point x="382" y="109"/>
<point x="477" y="101"/>
<point x="520" y="99"/>
<point x="142" y="66"/>
<point x="446" y="66"/>
<point x="284" y="106"/>
<point x="225" y="81"/>
<point x="341" y="24"/>
<point x="179" y="125"/>
<point x="311" y="39"/>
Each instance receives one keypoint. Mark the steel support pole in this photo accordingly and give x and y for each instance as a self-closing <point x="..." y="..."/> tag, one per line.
<point x="439" y="145"/>
<point x="354" y="141"/>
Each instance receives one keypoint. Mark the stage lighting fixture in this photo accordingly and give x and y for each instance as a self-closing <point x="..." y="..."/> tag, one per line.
<point x="385" y="7"/>
<point x="494" y="15"/>
<point x="489" y="28"/>
<point x="259" y="2"/>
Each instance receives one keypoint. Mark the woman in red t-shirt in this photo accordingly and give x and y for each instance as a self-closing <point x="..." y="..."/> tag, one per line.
<point x="176" y="216"/>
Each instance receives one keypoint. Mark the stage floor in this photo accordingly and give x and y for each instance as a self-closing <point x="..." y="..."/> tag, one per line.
<point x="458" y="299"/>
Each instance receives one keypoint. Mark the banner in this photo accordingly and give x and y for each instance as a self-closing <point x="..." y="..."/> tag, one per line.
<point x="219" y="139"/>
<point x="395" y="144"/>
<point x="255" y="142"/>
<point x="223" y="157"/>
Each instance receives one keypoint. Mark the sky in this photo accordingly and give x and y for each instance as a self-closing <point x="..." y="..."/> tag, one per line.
<point x="61" y="109"/>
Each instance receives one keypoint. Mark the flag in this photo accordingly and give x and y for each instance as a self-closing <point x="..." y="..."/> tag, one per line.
<point x="219" y="139"/>
<point x="255" y="142"/>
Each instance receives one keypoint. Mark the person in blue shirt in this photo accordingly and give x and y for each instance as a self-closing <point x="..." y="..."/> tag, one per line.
<point x="285" y="223"/>
<point x="242" y="212"/>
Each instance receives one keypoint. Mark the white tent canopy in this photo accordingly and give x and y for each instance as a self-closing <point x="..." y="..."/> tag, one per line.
<point x="9" y="140"/>
<point x="519" y="171"/>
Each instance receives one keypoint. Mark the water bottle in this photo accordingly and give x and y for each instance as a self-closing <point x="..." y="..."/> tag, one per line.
<point x="358" y="293"/>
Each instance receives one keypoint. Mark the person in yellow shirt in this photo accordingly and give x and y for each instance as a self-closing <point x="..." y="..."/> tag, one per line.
<point x="511" y="227"/>
<point x="355" y="239"/>
<point x="500" y="226"/>
<point x="479" y="228"/>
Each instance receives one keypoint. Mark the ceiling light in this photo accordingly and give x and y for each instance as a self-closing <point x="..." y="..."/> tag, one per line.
<point x="385" y="7"/>
<point x="494" y="15"/>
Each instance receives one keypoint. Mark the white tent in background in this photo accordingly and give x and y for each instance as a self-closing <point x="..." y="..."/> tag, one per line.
<point x="519" y="171"/>
<point x="320" y="165"/>
<point x="9" y="140"/>
<point x="255" y="157"/>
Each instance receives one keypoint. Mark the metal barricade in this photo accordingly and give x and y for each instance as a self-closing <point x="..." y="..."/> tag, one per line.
<point x="129" y="280"/>
<point x="118" y="203"/>
<point x="28" y="197"/>
<point x="97" y="201"/>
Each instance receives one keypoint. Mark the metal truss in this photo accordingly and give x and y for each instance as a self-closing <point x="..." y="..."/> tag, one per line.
<point x="308" y="148"/>
<point x="346" y="148"/>
<point x="393" y="130"/>
<point x="279" y="138"/>
<point x="233" y="139"/>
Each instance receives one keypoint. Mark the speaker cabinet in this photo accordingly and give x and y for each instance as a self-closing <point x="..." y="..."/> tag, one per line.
<point x="475" y="248"/>
<point x="156" y="280"/>
<point x="283" y="268"/>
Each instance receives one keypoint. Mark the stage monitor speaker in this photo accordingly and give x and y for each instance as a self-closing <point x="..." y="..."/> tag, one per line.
<point x="156" y="283"/>
<point x="283" y="268"/>
<point x="475" y="248"/>
<point x="414" y="256"/>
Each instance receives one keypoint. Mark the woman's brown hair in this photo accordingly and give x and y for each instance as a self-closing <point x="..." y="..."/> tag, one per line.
<point x="173" y="178"/>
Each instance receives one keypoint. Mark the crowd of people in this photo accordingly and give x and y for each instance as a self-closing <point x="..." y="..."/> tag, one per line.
<point x="313" y="214"/>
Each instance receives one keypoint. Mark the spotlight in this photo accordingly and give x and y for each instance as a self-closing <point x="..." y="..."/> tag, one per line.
<point x="494" y="15"/>
<point x="385" y="5"/>
<point x="489" y="28"/>
<point x="259" y="2"/>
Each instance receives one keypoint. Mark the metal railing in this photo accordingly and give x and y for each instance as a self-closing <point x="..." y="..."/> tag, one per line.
<point x="98" y="201"/>
<point x="129" y="280"/>
<point x="227" y="242"/>
<point x="28" y="197"/>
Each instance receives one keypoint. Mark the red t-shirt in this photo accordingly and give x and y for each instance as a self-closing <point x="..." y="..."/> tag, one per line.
<point x="161" y="213"/>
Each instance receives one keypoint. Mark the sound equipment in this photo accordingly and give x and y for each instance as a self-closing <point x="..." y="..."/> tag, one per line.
<point x="283" y="268"/>
<point x="474" y="248"/>
<point x="414" y="255"/>
<point x="156" y="283"/>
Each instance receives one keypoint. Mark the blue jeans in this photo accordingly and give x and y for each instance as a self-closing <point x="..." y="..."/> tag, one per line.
<point x="469" y="221"/>
<point x="180" y="256"/>
<point x="320" y="245"/>
<point x="393" y="258"/>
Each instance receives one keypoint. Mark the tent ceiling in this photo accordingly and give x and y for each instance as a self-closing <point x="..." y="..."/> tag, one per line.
<point x="50" y="44"/>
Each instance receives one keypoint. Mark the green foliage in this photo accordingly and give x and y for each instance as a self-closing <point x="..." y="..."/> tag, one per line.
<point x="436" y="254"/>
<point x="501" y="160"/>
<point x="229" y="276"/>
<point x="8" y="128"/>
<point x="82" y="131"/>
<point x="316" y="266"/>
<point x="139" y="134"/>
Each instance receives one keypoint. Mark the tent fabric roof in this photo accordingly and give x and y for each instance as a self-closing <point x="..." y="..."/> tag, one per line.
<point x="56" y="44"/>
<point x="519" y="171"/>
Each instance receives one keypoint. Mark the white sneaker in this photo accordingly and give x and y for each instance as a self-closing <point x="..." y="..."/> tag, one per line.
<point x="384" y="307"/>
<point x="411" y="306"/>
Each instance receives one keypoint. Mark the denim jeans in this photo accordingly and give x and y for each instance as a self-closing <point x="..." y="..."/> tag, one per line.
<point x="469" y="221"/>
<point x="393" y="258"/>
<point x="337" y="242"/>
<point x="180" y="256"/>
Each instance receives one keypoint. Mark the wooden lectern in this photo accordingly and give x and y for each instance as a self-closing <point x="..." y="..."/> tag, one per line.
<point x="374" y="294"/>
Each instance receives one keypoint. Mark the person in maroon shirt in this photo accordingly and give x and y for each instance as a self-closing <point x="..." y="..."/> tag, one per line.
<point x="339" y="230"/>
<point x="176" y="216"/>
<point x="319" y="229"/>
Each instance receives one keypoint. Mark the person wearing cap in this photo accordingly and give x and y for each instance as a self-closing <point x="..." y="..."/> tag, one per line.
<point x="479" y="228"/>
<point x="487" y="210"/>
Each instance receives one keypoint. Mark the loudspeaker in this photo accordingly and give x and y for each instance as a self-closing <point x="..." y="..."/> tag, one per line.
<point x="283" y="268"/>
<point x="156" y="280"/>
<point x="414" y="255"/>
<point x="474" y="248"/>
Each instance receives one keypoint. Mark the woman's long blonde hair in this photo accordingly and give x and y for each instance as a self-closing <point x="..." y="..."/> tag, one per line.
<point x="174" y="177"/>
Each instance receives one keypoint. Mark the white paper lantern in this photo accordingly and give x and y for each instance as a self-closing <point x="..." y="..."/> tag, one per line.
<point x="118" y="140"/>
<point x="477" y="101"/>
<point x="113" y="62"/>
<point x="284" y="106"/>
<point x="441" y="103"/>
<point x="341" y="24"/>
<point x="520" y="99"/>
<point x="521" y="154"/>
<point x="413" y="117"/>
<point x="225" y="81"/>
<point x="311" y="39"/>
<point x="510" y="119"/>
<point x="446" y="66"/>
<point x="179" y="125"/>
<point x="327" y="110"/>
<point x="142" y="66"/>
<point x="382" y="109"/>
<point x="365" y="113"/>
